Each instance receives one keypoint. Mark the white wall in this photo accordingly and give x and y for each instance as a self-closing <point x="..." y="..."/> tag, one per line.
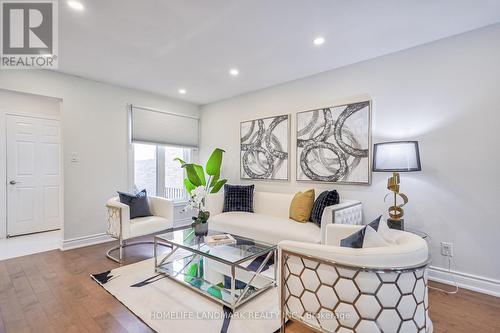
<point x="94" y="120"/>
<point x="12" y="101"/>
<point x="444" y="94"/>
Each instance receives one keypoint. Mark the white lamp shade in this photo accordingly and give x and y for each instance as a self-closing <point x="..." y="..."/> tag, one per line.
<point x="400" y="156"/>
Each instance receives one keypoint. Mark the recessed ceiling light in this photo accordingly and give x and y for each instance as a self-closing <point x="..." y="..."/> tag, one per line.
<point x="182" y="91"/>
<point x="234" y="72"/>
<point x="75" y="5"/>
<point x="318" y="40"/>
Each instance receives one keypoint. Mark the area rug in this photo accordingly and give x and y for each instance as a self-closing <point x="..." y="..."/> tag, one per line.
<point x="166" y="306"/>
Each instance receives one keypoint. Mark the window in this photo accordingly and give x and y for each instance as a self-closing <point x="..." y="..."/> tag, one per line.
<point x="145" y="168"/>
<point x="157" y="172"/>
<point x="173" y="184"/>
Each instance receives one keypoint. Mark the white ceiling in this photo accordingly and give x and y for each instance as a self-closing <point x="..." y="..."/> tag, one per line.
<point x="164" y="45"/>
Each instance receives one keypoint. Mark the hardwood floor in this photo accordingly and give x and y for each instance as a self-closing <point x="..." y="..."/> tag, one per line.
<point x="52" y="292"/>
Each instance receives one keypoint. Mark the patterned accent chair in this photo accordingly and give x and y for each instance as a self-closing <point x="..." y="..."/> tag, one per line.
<point x="121" y="227"/>
<point x="330" y="288"/>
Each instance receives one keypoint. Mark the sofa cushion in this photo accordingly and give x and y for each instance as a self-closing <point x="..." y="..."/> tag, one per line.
<point x="238" y="198"/>
<point x="325" y="199"/>
<point x="147" y="225"/>
<point x="301" y="206"/>
<point x="274" y="204"/>
<point x="138" y="203"/>
<point x="265" y="228"/>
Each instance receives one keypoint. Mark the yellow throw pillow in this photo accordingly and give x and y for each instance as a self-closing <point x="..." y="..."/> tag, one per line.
<point x="301" y="206"/>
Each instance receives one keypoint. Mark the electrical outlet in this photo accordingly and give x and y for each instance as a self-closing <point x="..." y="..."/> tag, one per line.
<point x="447" y="249"/>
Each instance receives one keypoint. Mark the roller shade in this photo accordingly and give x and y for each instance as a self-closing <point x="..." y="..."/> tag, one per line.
<point x="156" y="126"/>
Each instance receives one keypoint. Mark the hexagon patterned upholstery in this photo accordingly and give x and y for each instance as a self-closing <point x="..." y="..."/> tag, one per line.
<point x="333" y="297"/>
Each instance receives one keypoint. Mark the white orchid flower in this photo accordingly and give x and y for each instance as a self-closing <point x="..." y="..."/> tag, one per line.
<point x="197" y="200"/>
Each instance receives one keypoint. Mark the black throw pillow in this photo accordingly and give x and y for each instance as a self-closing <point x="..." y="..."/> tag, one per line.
<point x="356" y="239"/>
<point x="238" y="198"/>
<point x="325" y="199"/>
<point x="138" y="203"/>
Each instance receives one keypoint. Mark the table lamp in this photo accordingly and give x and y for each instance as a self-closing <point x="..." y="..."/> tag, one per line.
<point x="396" y="157"/>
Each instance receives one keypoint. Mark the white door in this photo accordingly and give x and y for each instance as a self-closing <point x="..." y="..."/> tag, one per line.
<point x="34" y="195"/>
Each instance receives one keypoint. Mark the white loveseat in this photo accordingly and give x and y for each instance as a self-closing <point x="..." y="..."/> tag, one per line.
<point x="270" y="223"/>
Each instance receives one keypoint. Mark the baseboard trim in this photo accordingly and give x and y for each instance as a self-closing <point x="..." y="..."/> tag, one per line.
<point x="465" y="280"/>
<point x="74" y="243"/>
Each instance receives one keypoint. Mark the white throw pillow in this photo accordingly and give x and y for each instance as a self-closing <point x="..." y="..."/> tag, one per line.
<point x="385" y="232"/>
<point x="373" y="238"/>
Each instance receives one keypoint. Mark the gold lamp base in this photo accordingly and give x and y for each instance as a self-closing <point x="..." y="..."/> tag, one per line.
<point x="396" y="211"/>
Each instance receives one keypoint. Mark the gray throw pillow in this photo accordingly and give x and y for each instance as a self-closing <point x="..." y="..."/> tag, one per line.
<point x="138" y="203"/>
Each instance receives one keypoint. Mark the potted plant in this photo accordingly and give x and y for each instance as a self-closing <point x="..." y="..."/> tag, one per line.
<point x="199" y="186"/>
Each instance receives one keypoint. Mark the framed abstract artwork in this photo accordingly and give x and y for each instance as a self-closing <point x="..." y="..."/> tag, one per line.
<point x="265" y="148"/>
<point x="334" y="144"/>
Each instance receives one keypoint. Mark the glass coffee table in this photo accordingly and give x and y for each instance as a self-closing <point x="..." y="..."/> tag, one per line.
<point x="229" y="274"/>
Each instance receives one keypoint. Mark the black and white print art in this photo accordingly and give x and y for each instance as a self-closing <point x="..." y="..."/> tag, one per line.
<point x="265" y="148"/>
<point x="333" y="144"/>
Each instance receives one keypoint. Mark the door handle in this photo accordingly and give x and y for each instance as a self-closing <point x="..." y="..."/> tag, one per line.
<point x="13" y="182"/>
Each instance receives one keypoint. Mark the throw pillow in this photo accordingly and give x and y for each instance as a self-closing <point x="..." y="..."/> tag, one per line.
<point x="388" y="234"/>
<point x="301" y="206"/>
<point x="356" y="239"/>
<point x="238" y="198"/>
<point x="373" y="238"/>
<point x="325" y="199"/>
<point x="138" y="203"/>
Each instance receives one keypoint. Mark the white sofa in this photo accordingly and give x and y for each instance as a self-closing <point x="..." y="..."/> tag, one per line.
<point x="331" y="288"/>
<point x="270" y="223"/>
<point x="121" y="227"/>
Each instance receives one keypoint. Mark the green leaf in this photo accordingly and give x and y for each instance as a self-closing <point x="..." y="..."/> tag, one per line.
<point x="180" y="161"/>
<point x="218" y="185"/>
<point x="214" y="180"/>
<point x="201" y="174"/>
<point x="192" y="175"/>
<point x="214" y="162"/>
<point x="188" y="185"/>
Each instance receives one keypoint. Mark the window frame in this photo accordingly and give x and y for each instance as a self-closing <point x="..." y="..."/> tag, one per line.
<point x="188" y="154"/>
